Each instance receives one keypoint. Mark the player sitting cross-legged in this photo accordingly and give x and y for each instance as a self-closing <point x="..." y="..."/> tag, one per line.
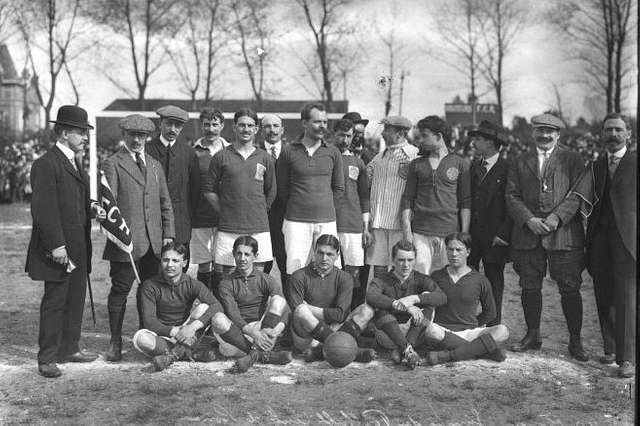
<point x="253" y="302"/>
<point x="403" y="300"/>
<point x="320" y="296"/>
<point x="173" y="324"/>
<point x="458" y="329"/>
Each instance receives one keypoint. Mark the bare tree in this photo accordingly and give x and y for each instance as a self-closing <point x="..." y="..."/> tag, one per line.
<point x="55" y="21"/>
<point x="254" y="35"/>
<point x="600" y="34"/>
<point x="505" y="20"/>
<point x="461" y="25"/>
<point x="331" y="34"/>
<point x="143" y="24"/>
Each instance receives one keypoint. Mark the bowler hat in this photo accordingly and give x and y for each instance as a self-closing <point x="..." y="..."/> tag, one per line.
<point x="174" y="112"/>
<point x="492" y="131"/>
<point x="74" y="116"/>
<point x="355" y="118"/>
<point x="547" y="120"/>
<point x="397" y="121"/>
<point x="137" y="123"/>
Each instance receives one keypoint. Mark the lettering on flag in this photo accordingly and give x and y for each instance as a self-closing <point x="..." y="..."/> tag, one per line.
<point x="114" y="226"/>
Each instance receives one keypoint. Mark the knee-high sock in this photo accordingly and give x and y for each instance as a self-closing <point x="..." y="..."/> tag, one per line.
<point x="572" y="309"/>
<point x="478" y="347"/>
<point x="392" y="328"/>
<point x="351" y="328"/>
<point x="235" y="337"/>
<point x="321" y="331"/>
<point x="532" y="307"/>
<point x="270" y="320"/>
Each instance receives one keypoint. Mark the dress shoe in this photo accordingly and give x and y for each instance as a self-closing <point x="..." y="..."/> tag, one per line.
<point x="49" y="370"/>
<point x="607" y="359"/>
<point x="576" y="350"/>
<point x="410" y="358"/>
<point x="80" y="356"/>
<point x="114" y="354"/>
<point x="530" y="341"/>
<point x="626" y="370"/>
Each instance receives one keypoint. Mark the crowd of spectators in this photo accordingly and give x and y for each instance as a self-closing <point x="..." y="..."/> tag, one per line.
<point x="16" y="158"/>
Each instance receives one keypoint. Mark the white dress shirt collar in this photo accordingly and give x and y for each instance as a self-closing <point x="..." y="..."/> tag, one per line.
<point x="491" y="161"/>
<point x="619" y="153"/>
<point x="165" y="142"/>
<point x="68" y="152"/>
<point x="133" y="154"/>
<point x="277" y="146"/>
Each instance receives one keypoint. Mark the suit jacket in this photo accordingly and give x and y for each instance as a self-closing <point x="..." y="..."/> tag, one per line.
<point x="622" y="190"/>
<point x="278" y="207"/>
<point x="489" y="217"/>
<point x="527" y="198"/>
<point x="183" y="181"/>
<point x="144" y="203"/>
<point x="60" y="209"/>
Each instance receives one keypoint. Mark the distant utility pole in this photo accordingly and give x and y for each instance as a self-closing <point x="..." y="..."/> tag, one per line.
<point x="403" y="74"/>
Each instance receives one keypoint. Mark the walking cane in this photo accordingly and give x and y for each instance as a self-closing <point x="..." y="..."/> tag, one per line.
<point x="93" y="308"/>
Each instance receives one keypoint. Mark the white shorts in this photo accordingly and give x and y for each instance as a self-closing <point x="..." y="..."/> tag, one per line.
<point x="224" y="247"/>
<point x="468" y="334"/>
<point x="351" y="248"/>
<point x="431" y="253"/>
<point x="202" y="245"/>
<point x="379" y="253"/>
<point x="299" y="238"/>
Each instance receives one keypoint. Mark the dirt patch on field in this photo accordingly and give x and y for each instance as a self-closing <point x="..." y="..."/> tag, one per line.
<point x="547" y="387"/>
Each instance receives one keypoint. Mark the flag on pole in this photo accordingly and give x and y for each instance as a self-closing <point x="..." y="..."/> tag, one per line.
<point x="114" y="226"/>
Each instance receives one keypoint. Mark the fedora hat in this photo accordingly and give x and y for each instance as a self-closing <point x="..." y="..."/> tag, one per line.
<point x="492" y="131"/>
<point x="71" y="115"/>
<point x="355" y="118"/>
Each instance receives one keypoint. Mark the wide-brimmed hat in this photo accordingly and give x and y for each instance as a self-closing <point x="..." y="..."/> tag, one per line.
<point x="71" y="115"/>
<point x="355" y="118"/>
<point x="492" y="131"/>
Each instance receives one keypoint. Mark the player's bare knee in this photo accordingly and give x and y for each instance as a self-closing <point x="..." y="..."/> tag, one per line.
<point x="144" y="340"/>
<point x="364" y="312"/>
<point x="199" y="310"/>
<point x="277" y="304"/>
<point x="220" y="323"/>
<point x="433" y="331"/>
<point x="500" y="333"/>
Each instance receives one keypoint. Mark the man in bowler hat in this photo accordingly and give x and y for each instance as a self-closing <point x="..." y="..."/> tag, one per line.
<point x="60" y="247"/>
<point x="490" y="226"/>
<point x="548" y="230"/>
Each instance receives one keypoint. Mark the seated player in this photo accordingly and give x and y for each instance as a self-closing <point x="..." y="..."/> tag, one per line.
<point x="403" y="300"/>
<point x="253" y="301"/>
<point x="167" y="301"/>
<point x="457" y="326"/>
<point x="320" y="296"/>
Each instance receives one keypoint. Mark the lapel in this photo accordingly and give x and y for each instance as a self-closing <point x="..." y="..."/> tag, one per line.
<point x="531" y="160"/>
<point x="66" y="164"/>
<point x="552" y="162"/>
<point x="601" y="173"/>
<point x="625" y="161"/>
<point x="126" y="162"/>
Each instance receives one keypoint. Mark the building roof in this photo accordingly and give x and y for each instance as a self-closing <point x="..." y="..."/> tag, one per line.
<point x="7" y="68"/>
<point x="226" y="105"/>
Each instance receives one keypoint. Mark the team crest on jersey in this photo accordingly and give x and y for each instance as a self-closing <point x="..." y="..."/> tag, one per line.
<point x="354" y="172"/>
<point x="403" y="170"/>
<point x="452" y="173"/>
<point x="260" y="169"/>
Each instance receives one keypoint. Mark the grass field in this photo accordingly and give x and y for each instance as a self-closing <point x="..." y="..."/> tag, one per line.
<point x="544" y="387"/>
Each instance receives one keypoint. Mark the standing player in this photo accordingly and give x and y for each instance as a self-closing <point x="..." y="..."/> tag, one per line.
<point x="241" y="187"/>
<point x="438" y="192"/>
<point x="61" y="237"/>
<point x="180" y="166"/>
<point x="352" y="210"/>
<point x="403" y="300"/>
<point x="320" y="296"/>
<point x="387" y="173"/>
<point x="254" y="302"/>
<point x="205" y="219"/>
<point x="141" y="193"/>
<point x="490" y="223"/>
<point x="458" y="327"/>
<point x="310" y="178"/>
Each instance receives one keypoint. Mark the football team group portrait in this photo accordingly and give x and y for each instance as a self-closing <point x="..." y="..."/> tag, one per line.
<point x="204" y="253"/>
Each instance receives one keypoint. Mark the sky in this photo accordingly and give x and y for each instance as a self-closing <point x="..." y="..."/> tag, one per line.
<point x="537" y="60"/>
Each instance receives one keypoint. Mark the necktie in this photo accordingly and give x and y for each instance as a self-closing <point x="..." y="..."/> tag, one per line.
<point x="545" y="161"/>
<point x="273" y="152"/>
<point x="484" y="169"/>
<point x="141" y="165"/>
<point x="613" y="164"/>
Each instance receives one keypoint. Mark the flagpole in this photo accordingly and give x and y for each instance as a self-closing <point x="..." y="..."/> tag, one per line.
<point x="93" y="309"/>
<point x="135" y="270"/>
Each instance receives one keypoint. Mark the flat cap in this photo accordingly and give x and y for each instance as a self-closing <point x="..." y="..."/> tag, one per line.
<point x="397" y="121"/>
<point x="137" y="123"/>
<point x="172" y="111"/>
<point x="547" y="120"/>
